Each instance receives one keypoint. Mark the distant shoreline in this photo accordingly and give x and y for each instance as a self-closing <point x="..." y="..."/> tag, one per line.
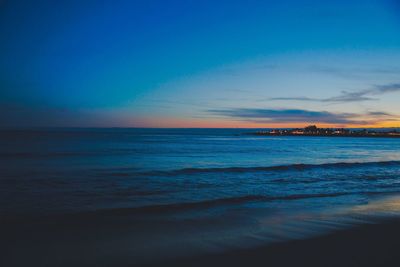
<point x="314" y="131"/>
<point x="326" y="135"/>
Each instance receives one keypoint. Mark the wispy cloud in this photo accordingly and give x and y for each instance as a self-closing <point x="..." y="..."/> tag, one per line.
<point x="299" y="98"/>
<point x="363" y="95"/>
<point x="387" y="88"/>
<point x="355" y="72"/>
<point x="296" y="115"/>
<point x="379" y="114"/>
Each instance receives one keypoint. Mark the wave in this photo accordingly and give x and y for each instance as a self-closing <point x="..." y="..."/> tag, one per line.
<point x="217" y="202"/>
<point x="206" y="204"/>
<point x="290" y="167"/>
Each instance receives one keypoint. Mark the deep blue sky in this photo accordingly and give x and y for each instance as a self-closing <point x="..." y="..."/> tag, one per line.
<point x="199" y="63"/>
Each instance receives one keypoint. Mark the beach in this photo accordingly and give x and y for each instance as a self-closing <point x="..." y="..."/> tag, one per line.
<point x="187" y="197"/>
<point x="366" y="245"/>
<point x="88" y="241"/>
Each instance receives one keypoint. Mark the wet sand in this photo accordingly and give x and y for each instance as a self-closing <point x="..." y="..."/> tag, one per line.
<point x="81" y="243"/>
<point x="365" y="245"/>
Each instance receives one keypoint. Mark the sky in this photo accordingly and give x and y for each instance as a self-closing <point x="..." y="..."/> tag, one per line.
<point x="199" y="63"/>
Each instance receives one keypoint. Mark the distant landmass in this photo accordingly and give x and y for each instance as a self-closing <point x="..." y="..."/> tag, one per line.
<point x="313" y="130"/>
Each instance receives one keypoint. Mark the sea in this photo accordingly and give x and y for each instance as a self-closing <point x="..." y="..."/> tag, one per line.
<point x="199" y="190"/>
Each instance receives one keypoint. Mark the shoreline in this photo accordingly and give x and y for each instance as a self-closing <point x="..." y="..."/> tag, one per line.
<point x="313" y="130"/>
<point x="326" y="135"/>
<point x="360" y="245"/>
<point x="106" y="240"/>
<point x="374" y="244"/>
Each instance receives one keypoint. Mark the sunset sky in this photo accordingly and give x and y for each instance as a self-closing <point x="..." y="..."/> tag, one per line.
<point x="199" y="63"/>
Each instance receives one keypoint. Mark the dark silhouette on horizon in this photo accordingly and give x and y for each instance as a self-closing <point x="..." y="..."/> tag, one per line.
<point x="313" y="130"/>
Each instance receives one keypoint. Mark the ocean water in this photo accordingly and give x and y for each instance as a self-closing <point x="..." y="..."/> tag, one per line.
<point x="218" y="185"/>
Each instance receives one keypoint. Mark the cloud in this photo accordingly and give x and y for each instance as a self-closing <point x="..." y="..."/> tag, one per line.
<point x="300" y="98"/>
<point x="356" y="72"/>
<point x="288" y="115"/>
<point x="350" y="97"/>
<point x="363" y="95"/>
<point x="379" y="113"/>
<point x="388" y="88"/>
